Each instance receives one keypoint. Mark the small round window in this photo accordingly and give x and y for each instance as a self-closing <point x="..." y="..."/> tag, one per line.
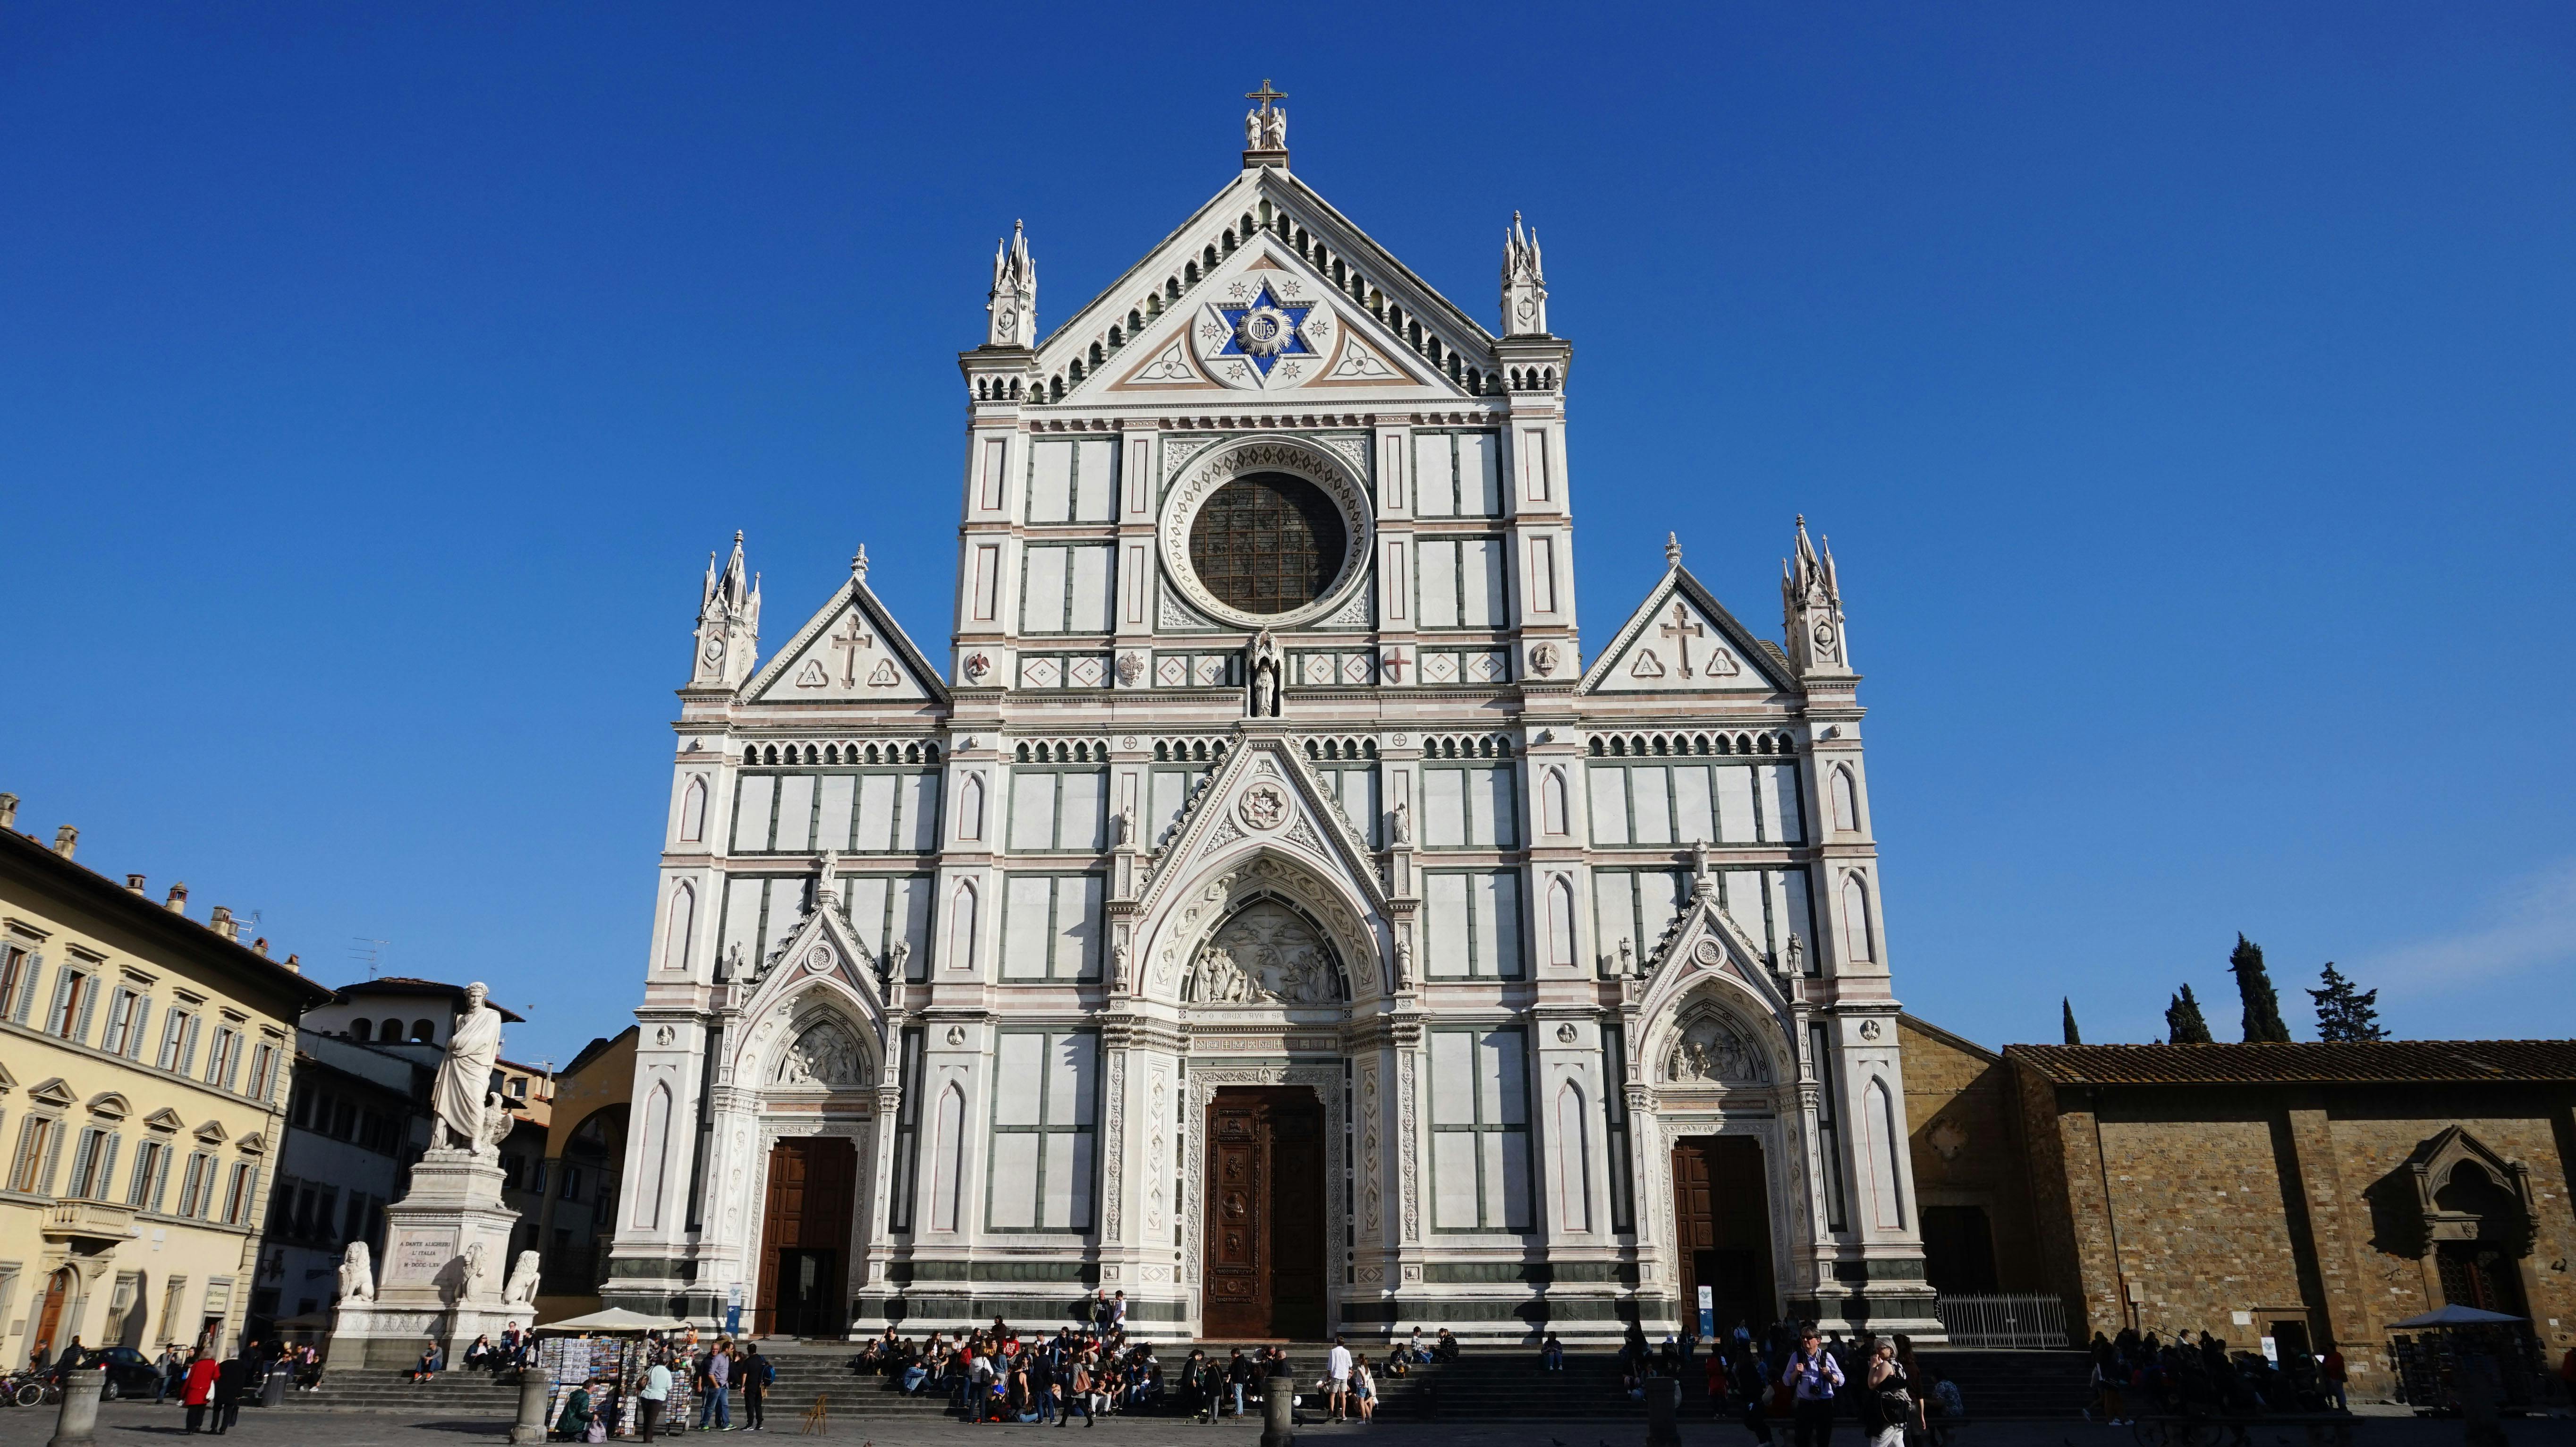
<point x="1267" y="543"/>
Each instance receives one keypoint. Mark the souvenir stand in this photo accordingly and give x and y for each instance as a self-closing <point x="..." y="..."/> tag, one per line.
<point x="2427" y="1363"/>
<point x="611" y="1350"/>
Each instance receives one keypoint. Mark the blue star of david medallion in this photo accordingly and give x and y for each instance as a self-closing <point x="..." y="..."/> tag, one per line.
<point x="1265" y="329"/>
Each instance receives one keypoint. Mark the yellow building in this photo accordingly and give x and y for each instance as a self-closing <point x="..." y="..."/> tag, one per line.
<point x="143" y="1065"/>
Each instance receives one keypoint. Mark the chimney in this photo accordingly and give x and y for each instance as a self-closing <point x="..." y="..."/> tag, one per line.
<point x="221" y="921"/>
<point x="259" y="947"/>
<point x="8" y="811"/>
<point x="178" y="900"/>
<point x="134" y="883"/>
<point x="65" y="838"/>
<point x="295" y="963"/>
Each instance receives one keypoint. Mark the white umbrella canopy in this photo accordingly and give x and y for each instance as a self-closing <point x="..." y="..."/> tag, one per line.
<point x="2456" y="1315"/>
<point x="615" y="1318"/>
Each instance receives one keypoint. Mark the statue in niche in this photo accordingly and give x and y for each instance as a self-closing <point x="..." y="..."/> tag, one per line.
<point x="1267" y="955"/>
<point x="1402" y="822"/>
<point x="1711" y="1052"/>
<point x="1404" y="962"/>
<point x="1265" y="676"/>
<point x="823" y="1055"/>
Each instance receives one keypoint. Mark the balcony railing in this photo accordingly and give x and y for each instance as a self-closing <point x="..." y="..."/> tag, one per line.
<point x="2019" y="1323"/>
<point x="88" y="1220"/>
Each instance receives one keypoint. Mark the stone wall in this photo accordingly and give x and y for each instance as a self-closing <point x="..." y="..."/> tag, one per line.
<point x="1966" y="1144"/>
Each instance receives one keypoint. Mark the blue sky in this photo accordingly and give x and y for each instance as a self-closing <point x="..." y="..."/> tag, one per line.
<point x="2185" y="390"/>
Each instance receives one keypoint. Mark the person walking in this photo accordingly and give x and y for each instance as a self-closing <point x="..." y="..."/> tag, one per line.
<point x="1889" y="1409"/>
<point x="1363" y="1390"/>
<point x="652" y="1396"/>
<point x="1079" y="1399"/>
<point x="718" y="1379"/>
<point x="758" y="1372"/>
<point x="174" y="1374"/>
<point x="1813" y="1377"/>
<point x="1238" y="1375"/>
<point x="1211" y="1387"/>
<point x="200" y="1391"/>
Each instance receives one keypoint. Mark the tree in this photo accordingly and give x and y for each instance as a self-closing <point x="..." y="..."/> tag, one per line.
<point x="2263" y="1022"/>
<point x="2183" y="1022"/>
<point x="2344" y="1013"/>
<point x="2068" y="1006"/>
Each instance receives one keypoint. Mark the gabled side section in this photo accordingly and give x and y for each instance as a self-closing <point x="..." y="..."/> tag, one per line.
<point x="851" y="651"/>
<point x="1682" y="640"/>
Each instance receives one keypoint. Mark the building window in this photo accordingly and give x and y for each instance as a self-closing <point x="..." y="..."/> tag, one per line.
<point x="263" y="1070"/>
<point x="237" y="1194"/>
<point x="17" y="976"/>
<point x="362" y="1031"/>
<point x="1267" y="543"/>
<point x="151" y="1168"/>
<point x="1829" y="1139"/>
<point x="178" y="1041"/>
<point x="1459" y="583"/>
<point x="1472" y="924"/>
<point x="224" y="1061"/>
<point x="1045" y="1100"/>
<point x="1614" y="1110"/>
<point x="907" y="1137"/>
<point x="93" y="1164"/>
<point x="423" y="1032"/>
<point x="1480" y="1160"/>
<point x="122" y="1007"/>
<point x="1066" y="588"/>
<point x="69" y="1016"/>
<point x="196" y="1186"/>
<point x="1470" y="808"/>
<point x="1455" y="475"/>
<point x="1694" y="802"/>
<point x="32" y="1169"/>
<point x="1059" y="809"/>
<point x="1051" y="926"/>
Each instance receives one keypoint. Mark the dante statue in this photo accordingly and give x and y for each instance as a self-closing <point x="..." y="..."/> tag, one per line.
<point x="522" y="1290"/>
<point x="465" y="1076"/>
<point x="357" y="1274"/>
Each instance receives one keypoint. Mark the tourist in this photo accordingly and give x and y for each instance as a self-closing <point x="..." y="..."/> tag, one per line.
<point x="653" y="1394"/>
<point x="174" y="1374"/>
<point x="427" y="1366"/>
<point x="201" y="1389"/>
<point x="573" y="1425"/>
<point x="1446" y="1349"/>
<point x="1211" y="1384"/>
<point x="1946" y="1406"/>
<point x="1337" y="1379"/>
<point x="1363" y="1389"/>
<point x="757" y="1373"/>
<point x="1551" y="1354"/>
<point x="1238" y="1375"/>
<point x="2106" y="1386"/>
<point x="1751" y="1392"/>
<point x="2331" y="1376"/>
<point x="1888" y="1410"/>
<point x="479" y="1356"/>
<point x="1079" y="1398"/>
<point x="1413" y="1346"/>
<point x="1813" y="1377"/>
<point x="232" y="1378"/>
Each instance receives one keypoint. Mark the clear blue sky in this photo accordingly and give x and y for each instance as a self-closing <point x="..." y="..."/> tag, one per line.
<point x="2186" y="391"/>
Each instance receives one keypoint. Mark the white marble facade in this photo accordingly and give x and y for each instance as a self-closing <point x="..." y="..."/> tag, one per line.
<point x="1176" y="817"/>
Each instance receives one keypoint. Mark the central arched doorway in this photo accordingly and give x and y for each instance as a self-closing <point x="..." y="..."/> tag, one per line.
<point x="1722" y="1229"/>
<point x="1265" y="1232"/>
<point x="805" y="1238"/>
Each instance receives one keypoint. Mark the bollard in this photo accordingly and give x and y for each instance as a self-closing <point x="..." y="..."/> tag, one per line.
<point x="272" y="1393"/>
<point x="1278" y="1411"/>
<point x="1662" y="1396"/>
<point x="78" y="1424"/>
<point x="535" y="1392"/>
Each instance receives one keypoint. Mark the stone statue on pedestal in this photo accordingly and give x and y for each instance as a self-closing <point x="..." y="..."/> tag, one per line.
<point x="357" y="1274"/>
<point x="465" y="1077"/>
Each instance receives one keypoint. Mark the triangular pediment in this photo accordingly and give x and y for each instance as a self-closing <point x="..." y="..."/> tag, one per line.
<point x="821" y="947"/>
<point x="1263" y="796"/>
<point x="1704" y="946"/>
<point x="1319" y="295"/>
<point x="165" y="1119"/>
<point x="52" y="1092"/>
<point x="850" y="651"/>
<point x="1682" y="640"/>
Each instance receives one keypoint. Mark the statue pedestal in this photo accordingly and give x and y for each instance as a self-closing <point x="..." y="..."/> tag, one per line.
<point x="432" y="1284"/>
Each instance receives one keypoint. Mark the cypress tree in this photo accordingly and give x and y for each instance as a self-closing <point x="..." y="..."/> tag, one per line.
<point x="2344" y="1013"/>
<point x="2068" y="1006"/>
<point x="2183" y="1022"/>
<point x="2263" y="1022"/>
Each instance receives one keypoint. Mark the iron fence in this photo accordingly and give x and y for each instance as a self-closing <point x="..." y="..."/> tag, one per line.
<point x="2012" y="1322"/>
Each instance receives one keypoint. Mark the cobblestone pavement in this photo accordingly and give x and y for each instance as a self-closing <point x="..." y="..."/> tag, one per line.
<point x="129" y="1425"/>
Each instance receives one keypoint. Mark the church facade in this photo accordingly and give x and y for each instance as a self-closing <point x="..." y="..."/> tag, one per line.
<point x="1260" y="911"/>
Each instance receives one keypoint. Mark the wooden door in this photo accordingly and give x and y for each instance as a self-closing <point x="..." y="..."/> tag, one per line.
<point x="1265" y="1214"/>
<point x="58" y="1295"/>
<point x="1722" y="1229"/>
<point x="805" y="1237"/>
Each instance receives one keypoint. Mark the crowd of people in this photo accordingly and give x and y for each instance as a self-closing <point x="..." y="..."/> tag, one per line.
<point x="209" y="1387"/>
<point x="2134" y="1373"/>
<point x="999" y="1375"/>
<point x="1813" y="1379"/>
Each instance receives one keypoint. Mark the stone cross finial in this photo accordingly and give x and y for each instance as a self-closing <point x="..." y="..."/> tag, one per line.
<point x="1672" y="550"/>
<point x="859" y="563"/>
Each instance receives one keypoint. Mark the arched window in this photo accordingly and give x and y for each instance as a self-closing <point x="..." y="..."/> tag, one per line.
<point x="1878" y="1123"/>
<point x="970" y="808"/>
<point x="684" y="918"/>
<point x="1846" y="803"/>
<point x="1553" y="809"/>
<point x="422" y="1030"/>
<point x="947" y="1158"/>
<point x="1573" y="1163"/>
<point x="693" y="811"/>
<point x="1856" y="920"/>
<point x="961" y="927"/>
<point x="389" y="1031"/>
<point x="655" y="1161"/>
<point x="362" y="1031"/>
<point x="1560" y="922"/>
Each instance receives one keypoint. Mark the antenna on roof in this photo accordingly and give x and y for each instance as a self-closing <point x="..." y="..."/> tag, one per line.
<point x="370" y="953"/>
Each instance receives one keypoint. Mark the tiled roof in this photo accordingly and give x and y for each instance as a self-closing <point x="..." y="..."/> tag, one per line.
<point x="2392" y="1062"/>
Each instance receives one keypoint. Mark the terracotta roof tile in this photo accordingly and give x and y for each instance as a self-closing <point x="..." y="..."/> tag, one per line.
<point x="2302" y="1062"/>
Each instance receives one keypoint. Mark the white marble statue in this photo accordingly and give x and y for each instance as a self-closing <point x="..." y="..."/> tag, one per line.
<point x="465" y="1077"/>
<point x="478" y="1269"/>
<point x="357" y="1274"/>
<point x="522" y="1290"/>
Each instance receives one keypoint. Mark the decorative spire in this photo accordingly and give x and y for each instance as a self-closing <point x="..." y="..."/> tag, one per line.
<point x="859" y="563"/>
<point x="1524" y="283"/>
<point x="728" y="632"/>
<point x="1013" y="302"/>
<point x="1811" y="607"/>
<point x="1672" y="550"/>
<point x="1265" y="129"/>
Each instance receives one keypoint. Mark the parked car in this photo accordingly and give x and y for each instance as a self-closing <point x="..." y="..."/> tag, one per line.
<point x="129" y="1373"/>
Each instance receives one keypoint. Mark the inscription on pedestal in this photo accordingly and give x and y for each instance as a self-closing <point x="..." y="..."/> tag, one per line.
<point x="419" y="1256"/>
